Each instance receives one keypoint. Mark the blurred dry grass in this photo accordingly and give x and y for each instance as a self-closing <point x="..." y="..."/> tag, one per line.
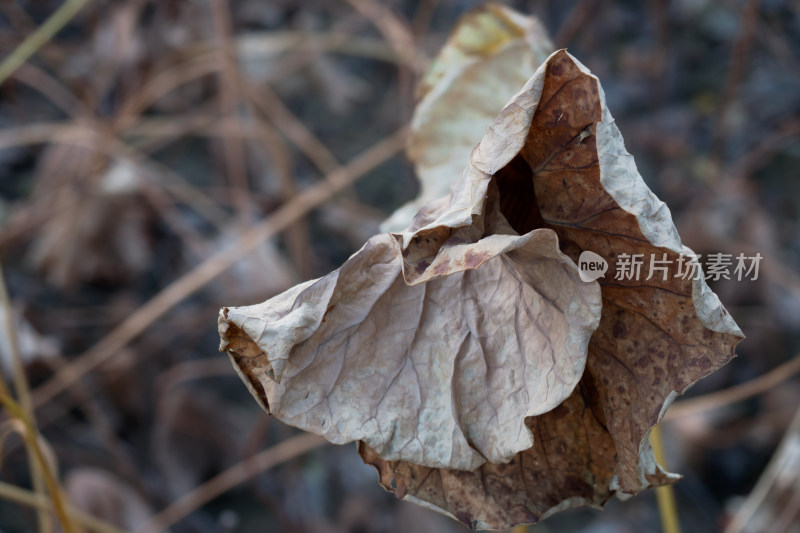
<point x="161" y="159"/>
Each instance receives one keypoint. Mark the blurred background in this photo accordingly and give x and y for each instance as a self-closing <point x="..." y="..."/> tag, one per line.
<point x="161" y="159"/>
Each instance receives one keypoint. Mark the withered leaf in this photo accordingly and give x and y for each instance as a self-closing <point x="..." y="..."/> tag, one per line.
<point x="454" y="351"/>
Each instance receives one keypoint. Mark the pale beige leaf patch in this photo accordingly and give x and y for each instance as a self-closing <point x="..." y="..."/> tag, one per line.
<point x="490" y="54"/>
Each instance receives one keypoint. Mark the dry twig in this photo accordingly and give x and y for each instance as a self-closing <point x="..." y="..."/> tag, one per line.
<point x="233" y="476"/>
<point x="215" y="265"/>
<point x="735" y="394"/>
<point x="24" y="497"/>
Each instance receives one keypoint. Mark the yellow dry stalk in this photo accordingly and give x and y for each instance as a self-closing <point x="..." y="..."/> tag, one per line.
<point x="32" y="444"/>
<point x="23" y="393"/>
<point x="22" y="413"/>
<point x="25" y="497"/>
<point x="40" y="37"/>
<point x="665" y="495"/>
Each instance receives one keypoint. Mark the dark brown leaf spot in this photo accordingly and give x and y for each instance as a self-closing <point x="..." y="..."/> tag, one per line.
<point x="619" y="331"/>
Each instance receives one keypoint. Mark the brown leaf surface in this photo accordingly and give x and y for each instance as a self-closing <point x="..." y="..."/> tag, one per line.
<point x="455" y="350"/>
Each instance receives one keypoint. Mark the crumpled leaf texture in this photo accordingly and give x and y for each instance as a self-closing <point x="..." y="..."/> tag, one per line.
<point x="480" y="375"/>
<point x="442" y="373"/>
